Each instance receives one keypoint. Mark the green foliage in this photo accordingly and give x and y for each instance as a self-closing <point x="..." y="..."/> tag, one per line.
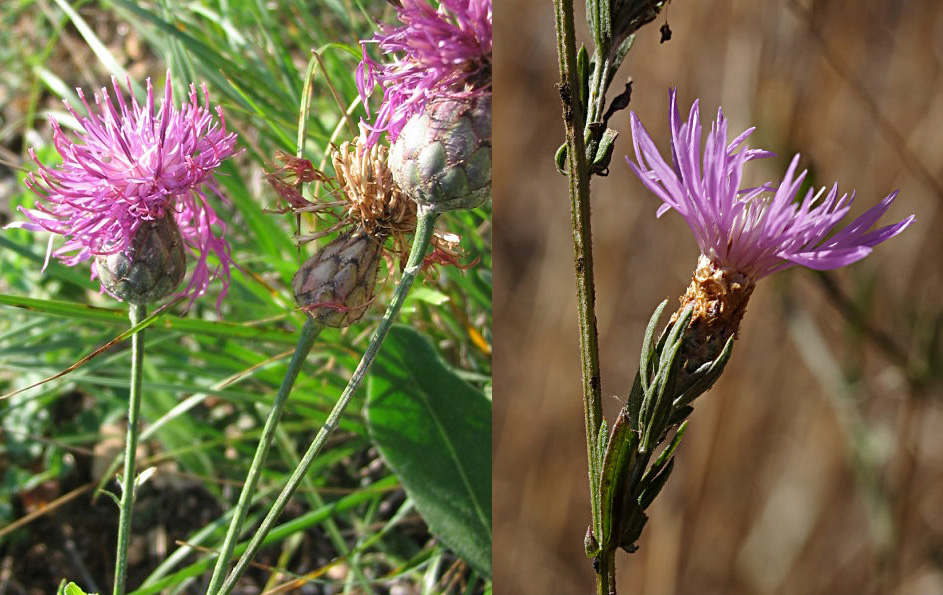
<point x="434" y="430"/>
<point x="627" y="481"/>
<point x="73" y="589"/>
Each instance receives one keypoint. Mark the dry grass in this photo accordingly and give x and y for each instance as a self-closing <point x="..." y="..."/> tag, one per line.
<point x="816" y="463"/>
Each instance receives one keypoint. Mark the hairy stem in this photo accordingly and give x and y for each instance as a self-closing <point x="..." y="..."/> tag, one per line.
<point x="309" y="333"/>
<point x="578" y="176"/>
<point x="606" y="579"/>
<point x="137" y="313"/>
<point x="424" y="230"/>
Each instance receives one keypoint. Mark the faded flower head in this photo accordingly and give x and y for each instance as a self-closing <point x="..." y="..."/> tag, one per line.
<point x="366" y="185"/>
<point x="131" y="166"/>
<point x="752" y="231"/>
<point x="365" y="196"/>
<point x="435" y="52"/>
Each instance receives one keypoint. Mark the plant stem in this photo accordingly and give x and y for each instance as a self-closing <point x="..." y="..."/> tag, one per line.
<point x="309" y="333"/>
<point x="424" y="230"/>
<point x="137" y="313"/>
<point x="578" y="176"/>
<point x="606" y="578"/>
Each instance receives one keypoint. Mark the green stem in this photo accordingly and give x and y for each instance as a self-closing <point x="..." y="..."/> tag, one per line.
<point x="606" y="579"/>
<point x="578" y="177"/>
<point x="137" y="313"/>
<point x="309" y="333"/>
<point x="424" y="231"/>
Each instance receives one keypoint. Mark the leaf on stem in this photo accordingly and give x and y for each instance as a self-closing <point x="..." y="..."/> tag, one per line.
<point x="619" y="459"/>
<point x="434" y="431"/>
<point x="655" y="406"/>
<point x="704" y="377"/>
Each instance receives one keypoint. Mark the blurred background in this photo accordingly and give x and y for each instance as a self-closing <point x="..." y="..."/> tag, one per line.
<point x="816" y="463"/>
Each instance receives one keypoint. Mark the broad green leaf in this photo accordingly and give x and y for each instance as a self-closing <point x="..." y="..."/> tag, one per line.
<point x="434" y="431"/>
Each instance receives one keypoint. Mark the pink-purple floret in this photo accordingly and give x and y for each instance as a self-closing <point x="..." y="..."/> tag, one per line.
<point x="746" y="229"/>
<point x="133" y="164"/>
<point x="433" y="53"/>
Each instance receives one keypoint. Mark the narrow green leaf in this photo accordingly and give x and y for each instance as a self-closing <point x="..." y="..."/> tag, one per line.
<point x="54" y="268"/>
<point x="101" y="50"/>
<point x="434" y="431"/>
<point x="427" y="295"/>
<point x="657" y="403"/>
<point x="654" y="488"/>
<point x="634" y="404"/>
<point x="670" y="449"/>
<point x="705" y="377"/>
<point x="167" y="323"/>
<point x="647" y="348"/>
<point x="619" y="458"/>
<point x="582" y="74"/>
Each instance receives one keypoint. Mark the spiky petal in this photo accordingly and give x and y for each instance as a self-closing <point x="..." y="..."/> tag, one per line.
<point x="434" y="52"/>
<point x="132" y="164"/>
<point x="754" y="231"/>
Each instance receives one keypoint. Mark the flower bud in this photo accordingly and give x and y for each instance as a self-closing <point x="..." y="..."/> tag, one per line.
<point x="442" y="157"/>
<point x="151" y="268"/>
<point x="336" y="285"/>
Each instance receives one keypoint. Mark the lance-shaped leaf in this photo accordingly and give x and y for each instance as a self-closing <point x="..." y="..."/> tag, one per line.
<point x="657" y="474"/>
<point x="434" y="431"/>
<point x="704" y="377"/>
<point x="619" y="459"/>
<point x="655" y="404"/>
<point x="641" y="378"/>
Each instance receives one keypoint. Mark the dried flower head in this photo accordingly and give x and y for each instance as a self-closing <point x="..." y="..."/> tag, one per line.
<point x="366" y="184"/>
<point x="748" y="230"/>
<point x="287" y="179"/>
<point x="365" y="197"/>
<point x="436" y="52"/>
<point x="132" y="165"/>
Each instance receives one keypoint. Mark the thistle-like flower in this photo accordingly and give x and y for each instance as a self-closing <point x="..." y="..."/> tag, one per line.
<point x="436" y="52"/>
<point x="128" y="169"/>
<point x="746" y="234"/>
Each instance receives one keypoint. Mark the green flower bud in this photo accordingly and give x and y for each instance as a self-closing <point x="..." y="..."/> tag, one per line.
<point x="336" y="285"/>
<point x="151" y="268"/>
<point x="442" y="157"/>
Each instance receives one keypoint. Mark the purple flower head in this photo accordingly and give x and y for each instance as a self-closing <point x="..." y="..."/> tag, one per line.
<point x="134" y="164"/>
<point x="755" y="231"/>
<point x="436" y="52"/>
